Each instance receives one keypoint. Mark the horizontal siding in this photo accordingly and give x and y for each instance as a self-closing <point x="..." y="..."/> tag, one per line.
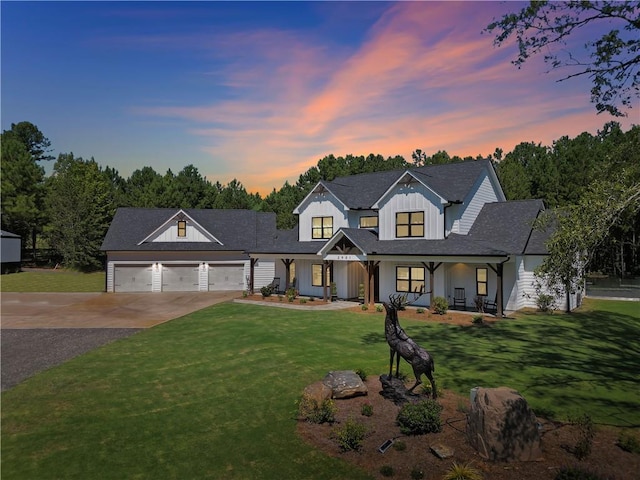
<point x="482" y="192"/>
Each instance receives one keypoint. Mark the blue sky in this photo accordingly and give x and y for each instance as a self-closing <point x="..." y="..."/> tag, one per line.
<point x="260" y="91"/>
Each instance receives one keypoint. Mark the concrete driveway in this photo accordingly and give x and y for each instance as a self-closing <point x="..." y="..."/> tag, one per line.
<point x="42" y="330"/>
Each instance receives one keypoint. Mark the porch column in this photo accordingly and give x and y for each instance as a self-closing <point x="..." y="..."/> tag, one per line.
<point x="371" y="269"/>
<point x="287" y="266"/>
<point x="499" y="268"/>
<point x="365" y="267"/>
<point x="432" y="270"/>
<point x="325" y="269"/>
<point x="252" y="268"/>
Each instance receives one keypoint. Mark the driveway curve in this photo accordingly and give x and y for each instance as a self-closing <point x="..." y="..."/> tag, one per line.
<point x="42" y="330"/>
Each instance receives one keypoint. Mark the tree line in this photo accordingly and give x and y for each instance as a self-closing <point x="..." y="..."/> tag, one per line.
<point x="69" y="211"/>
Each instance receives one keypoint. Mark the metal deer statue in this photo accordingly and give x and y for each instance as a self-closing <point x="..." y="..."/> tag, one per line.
<point x="401" y="345"/>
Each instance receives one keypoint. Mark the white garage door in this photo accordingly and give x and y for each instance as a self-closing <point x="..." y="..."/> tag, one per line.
<point x="132" y="278"/>
<point x="226" y="277"/>
<point x="180" y="278"/>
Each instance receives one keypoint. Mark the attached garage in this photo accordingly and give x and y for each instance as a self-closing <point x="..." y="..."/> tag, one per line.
<point x="132" y="278"/>
<point x="226" y="277"/>
<point x="180" y="278"/>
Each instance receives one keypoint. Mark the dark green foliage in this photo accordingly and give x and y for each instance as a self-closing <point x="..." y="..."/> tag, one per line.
<point x="399" y="446"/>
<point x="366" y="410"/>
<point x="311" y="411"/>
<point x="629" y="442"/>
<point x="440" y="305"/>
<point x="387" y="471"/>
<point x="266" y="291"/>
<point x="586" y="432"/>
<point x="417" y="473"/>
<point x="578" y="473"/>
<point x="349" y="435"/>
<point x="362" y="374"/>
<point x="420" y="418"/>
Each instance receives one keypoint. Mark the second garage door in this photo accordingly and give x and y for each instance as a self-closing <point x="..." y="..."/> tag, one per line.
<point x="180" y="278"/>
<point x="132" y="278"/>
<point x="226" y="277"/>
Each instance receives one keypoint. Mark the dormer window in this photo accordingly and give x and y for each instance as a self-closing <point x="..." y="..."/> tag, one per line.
<point x="182" y="228"/>
<point x="369" y="222"/>
<point x="409" y="224"/>
<point x="321" y="227"/>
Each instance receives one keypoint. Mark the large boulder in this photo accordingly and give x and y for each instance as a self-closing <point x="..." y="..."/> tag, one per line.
<point x="345" y="384"/>
<point x="502" y="427"/>
<point x="317" y="392"/>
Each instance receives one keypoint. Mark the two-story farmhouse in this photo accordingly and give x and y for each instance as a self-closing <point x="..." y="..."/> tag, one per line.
<point x="440" y="230"/>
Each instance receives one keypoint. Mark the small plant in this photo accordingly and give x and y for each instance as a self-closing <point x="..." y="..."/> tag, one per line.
<point x="379" y="308"/>
<point x="311" y="411"/>
<point x="478" y="319"/>
<point x="350" y="435"/>
<point x="463" y="471"/>
<point x="245" y="294"/>
<point x="399" y="446"/>
<point x="417" y="473"/>
<point x="334" y="290"/>
<point x="366" y="409"/>
<point x="545" y="303"/>
<point x="386" y="471"/>
<point x="361" y="292"/>
<point x="362" y="374"/>
<point x="629" y="442"/>
<point x="420" y="418"/>
<point x="420" y="310"/>
<point x="582" y="448"/>
<point x="364" y="307"/>
<point x="577" y="473"/>
<point x="478" y="301"/>
<point x="266" y="291"/>
<point x="303" y="300"/>
<point x="291" y="294"/>
<point x="440" y="305"/>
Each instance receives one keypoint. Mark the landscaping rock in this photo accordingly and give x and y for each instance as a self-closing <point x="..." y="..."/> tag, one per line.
<point x="317" y="391"/>
<point x="502" y="427"/>
<point x="393" y="389"/>
<point x="442" y="451"/>
<point x="345" y="384"/>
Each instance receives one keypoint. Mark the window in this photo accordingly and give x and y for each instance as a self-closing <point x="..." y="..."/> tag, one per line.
<point x="182" y="228"/>
<point x="481" y="281"/>
<point x="409" y="279"/>
<point x="321" y="227"/>
<point x="409" y="224"/>
<point x="316" y="275"/>
<point x="369" y="222"/>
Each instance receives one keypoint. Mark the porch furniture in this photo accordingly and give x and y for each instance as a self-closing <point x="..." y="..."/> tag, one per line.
<point x="275" y="285"/>
<point x="491" y="306"/>
<point x="459" y="298"/>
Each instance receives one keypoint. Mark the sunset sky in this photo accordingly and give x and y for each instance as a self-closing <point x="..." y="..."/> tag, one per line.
<point x="260" y="91"/>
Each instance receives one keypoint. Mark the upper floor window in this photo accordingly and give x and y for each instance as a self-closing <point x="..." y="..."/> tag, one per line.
<point x="409" y="224"/>
<point x="481" y="281"/>
<point x="369" y="222"/>
<point x="410" y="279"/>
<point x="182" y="228"/>
<point x="321" y="227"/>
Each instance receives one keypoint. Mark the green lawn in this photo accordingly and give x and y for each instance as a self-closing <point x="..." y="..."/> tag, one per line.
<point x="212" y="395"/>
<point x="52" y="281"/>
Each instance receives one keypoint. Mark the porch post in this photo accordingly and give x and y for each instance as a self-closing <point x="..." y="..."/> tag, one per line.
<point x="432" y="270"/>
<point x="371" y="268"/>
<point x="287" y="266"/>
<point x="365" y="266"/>
<point x="252" y="268"/>
<point x="325" y="268"/>
<point x="499" y="307"/>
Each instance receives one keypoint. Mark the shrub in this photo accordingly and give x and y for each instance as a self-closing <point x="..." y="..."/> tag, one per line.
<point x="479" y="303"/>
<point x="417" y="473"/>
<point x="462" y="472"/>
<point x="440" y="305"/>
<point x="311" y="411"/>
<point x="350" y="435"/>
<point x="291" y="294"/>
<point x="478" y="319"/>
<point x="386" y="471"/>
<point x="399" y="446"/>
<point x="245" y="294"/>
<point x="362" y="374"/>
<point x="545" y="303"/>
<point x="628" y="442"/>
<point x="420" y="418"/>
<point x="586" y="430"/>
<point x="366" y="409"/>
<point x="364" y="307"/>
<point x="379" y="308"/>
<point x="420" y="310"/>
<point x="266" y="291"/>
<point x="577" y="473"/>
<point x="303" y="300"/>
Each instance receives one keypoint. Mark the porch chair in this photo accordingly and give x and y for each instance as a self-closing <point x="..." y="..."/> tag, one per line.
<point x="459" y="298"/>
<point x="491" y="306"/>
<point x="275" y="285"/>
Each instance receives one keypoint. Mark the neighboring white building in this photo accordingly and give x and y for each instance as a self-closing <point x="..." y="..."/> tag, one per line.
<point x="10" y="252"/>
<point x="441" y="230"/>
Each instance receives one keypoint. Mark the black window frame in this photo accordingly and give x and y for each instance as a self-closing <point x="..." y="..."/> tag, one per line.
<point x="182" y="228"/>
<point x="321" y="228"/>
<point x="411" y="280"/>
<point x="410" y="225"/>
<point x="484" y="282"/>
<point x="368" y="217"/>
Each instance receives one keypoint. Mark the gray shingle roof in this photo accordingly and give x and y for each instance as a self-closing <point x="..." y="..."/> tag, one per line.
<point x="238" y="230"/>
<point x="452" y="181"/>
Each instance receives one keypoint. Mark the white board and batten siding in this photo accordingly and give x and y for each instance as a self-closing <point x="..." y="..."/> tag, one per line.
<point x="170" y="234"/>
<point x="321" y="205"/>
<point x="413" y="198"/>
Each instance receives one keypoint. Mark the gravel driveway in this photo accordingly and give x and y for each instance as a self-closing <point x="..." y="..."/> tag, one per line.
<point x="42" y="330"/>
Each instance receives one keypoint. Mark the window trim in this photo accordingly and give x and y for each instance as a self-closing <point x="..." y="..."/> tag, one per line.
<point x="182" y="228"/>
<point x="329" y="274"/>
<point x="321" y="228"/>
<point x="410" y="224"/>
<point x="484" y="282"/>
<point x="411" y="280"/>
